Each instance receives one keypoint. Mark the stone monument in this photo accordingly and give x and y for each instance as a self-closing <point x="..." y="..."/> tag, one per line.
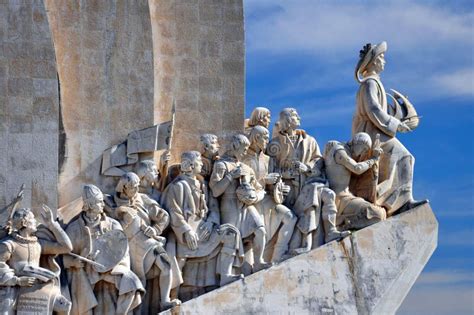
<point x="93" y="91"/>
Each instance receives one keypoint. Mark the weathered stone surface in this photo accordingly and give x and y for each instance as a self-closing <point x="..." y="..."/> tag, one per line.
<point x="29" y="105"/>
<point x="198" y="49"/>
<point x="105" y="66"/>
<point x="369" y="272"/>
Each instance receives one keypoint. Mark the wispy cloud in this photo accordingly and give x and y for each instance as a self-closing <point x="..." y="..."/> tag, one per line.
<point x="441" y="292"/>
<point x="426" y="40"/>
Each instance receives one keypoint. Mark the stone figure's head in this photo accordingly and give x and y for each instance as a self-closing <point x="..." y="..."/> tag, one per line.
<point x="23" y="219"/>
<point x="260" y="117"/>
<point x="371" y="60"/>
<point x="191" y="163"/>
<point x="148" y="173"/>
<point x="93" y="201"/>
<point x="209" y="144"/>
<point x="259" y="137"/>
<point x="360" y="145"/>
<point x="289" y="119"/>
<point x="127" y="186"/>
<point x="239" y="145"/>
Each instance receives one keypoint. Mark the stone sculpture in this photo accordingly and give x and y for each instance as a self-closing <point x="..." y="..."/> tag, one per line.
<point x="204" y="247"/>
<point x="209" y="154"/>
<point x="260" y="116"/>
<point x="341" y="161"/>
<point x="29" y="275"/>
<point x="278" y="218"/>
<point x="235" y="185"/>
<point x="395" y="178"/>
<point x="149" y="177"/>
<point x="109" y="287"/>
<point x="296" y="156"/>
<point x="144" y="221"/>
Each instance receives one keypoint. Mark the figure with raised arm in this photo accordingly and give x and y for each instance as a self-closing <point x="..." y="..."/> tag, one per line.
<point x="373" y="115"/>
<point x="29" y="275"/>
<point x="342" y="160"/>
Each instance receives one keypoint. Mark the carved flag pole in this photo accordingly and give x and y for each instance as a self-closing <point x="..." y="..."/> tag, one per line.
<point x="164" y="167"/>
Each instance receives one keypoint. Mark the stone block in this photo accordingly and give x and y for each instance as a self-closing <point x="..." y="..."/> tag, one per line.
<point x="20" y="87"/>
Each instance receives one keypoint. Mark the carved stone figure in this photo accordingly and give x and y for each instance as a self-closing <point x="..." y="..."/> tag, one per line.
<point x="96" y="289"/>
<point x="143" y="221"/>
<point x="209" y="154"/>
<point x="293" y="153"/>
<point x="296" y="155"/>
<point x="276" y="216"/>
<point x="235" y="185"/>
<point x="29" y="275"/>
<point x="395" y="178"/>
<point x="342" y="160"/>
<point x="260" y="116"/>
<point x="149" y="179"/>
<point x="205" y="248"/>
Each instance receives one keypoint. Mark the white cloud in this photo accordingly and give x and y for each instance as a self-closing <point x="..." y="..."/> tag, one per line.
<point x="425" y="41"/>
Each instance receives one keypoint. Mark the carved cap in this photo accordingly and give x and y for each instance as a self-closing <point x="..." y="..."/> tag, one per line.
<point x="367" y="54"/>
<point x="91" y="194"/>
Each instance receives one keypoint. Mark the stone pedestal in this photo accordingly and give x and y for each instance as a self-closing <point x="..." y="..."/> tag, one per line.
<point x="369" y="272"/>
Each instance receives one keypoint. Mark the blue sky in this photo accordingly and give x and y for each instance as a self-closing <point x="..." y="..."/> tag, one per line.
<point x="302" y="53"/>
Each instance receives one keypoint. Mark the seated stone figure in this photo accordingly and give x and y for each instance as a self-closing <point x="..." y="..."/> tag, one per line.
<point x="143" y="221"/>
<point x="112" y="290"/>
<point x="342" y="160"/>
<point x="29" y="276"/>
<point x="279" y="220"/>
<point x="205" y="248"/>
<point x="235" y="185"/>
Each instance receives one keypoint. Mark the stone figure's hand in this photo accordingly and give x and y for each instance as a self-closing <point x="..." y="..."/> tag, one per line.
<point x="301" y="167"/>
<point x="191" y="240"/>
<point x="26" y="281"/>
<point x="76" y="263"/>
<point x="285" y="189"/>
<point x="165" y="157"/>
<point x="377" y="152"/>
<point x="403" y="127"/>
<point x="47" y="215"/>
<point x="272" y="178"/>
<point x="206" y="230"/>
<point x="237" y="172"/>
<point x="150" y="232"/>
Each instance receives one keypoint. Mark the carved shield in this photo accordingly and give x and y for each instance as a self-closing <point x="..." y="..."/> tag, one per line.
<point x="109" y="249"/>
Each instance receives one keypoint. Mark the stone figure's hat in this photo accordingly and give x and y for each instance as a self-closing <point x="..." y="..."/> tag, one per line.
<point x="367" y="54"/>
<point x="91" y="193"/>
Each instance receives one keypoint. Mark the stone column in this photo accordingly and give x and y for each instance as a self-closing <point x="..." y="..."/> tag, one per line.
<point x="198" y="48"/>
<point x="105" y="64"/>
<point x="28" y="105"/>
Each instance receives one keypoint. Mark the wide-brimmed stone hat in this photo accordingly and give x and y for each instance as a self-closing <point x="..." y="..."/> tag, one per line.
<point x="367" y="54"/>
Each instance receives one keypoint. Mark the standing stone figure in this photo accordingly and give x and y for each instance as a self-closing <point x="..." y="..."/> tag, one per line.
<point x="112" y="290"/>
<point x="143" y="221"/>
<point x="209" y="154"/>
<point x="277" y="217"/>
<point x="342" y="160"/>
<point x="29" y="275"/>
<point x="234" y="183"/>
<point x="296" y="155"/>
<point x="205" y="248"/>
<point x="395" y="179"/>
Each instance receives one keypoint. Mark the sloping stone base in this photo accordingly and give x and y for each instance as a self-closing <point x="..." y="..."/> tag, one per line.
<point x="370" y="272"/>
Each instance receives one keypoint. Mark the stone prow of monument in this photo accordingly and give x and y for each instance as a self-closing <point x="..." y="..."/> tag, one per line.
<point x="369" y="272"/>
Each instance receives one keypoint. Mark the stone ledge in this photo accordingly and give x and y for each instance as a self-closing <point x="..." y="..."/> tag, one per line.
<point x="370" y="272"/>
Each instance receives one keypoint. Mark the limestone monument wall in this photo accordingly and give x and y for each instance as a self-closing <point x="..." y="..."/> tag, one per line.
<point x="29" y="104"/>
<point x="77" y="76"/>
